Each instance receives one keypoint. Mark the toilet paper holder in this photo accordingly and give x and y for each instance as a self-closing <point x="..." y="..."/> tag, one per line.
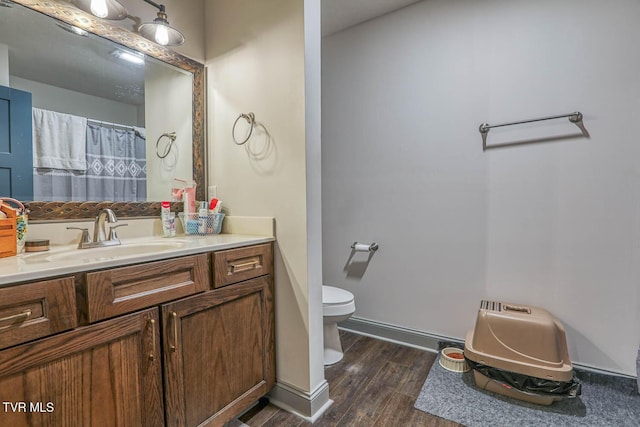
<point x="364" y="247"/>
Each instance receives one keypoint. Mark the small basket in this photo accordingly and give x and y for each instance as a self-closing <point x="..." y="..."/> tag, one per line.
<point x="8" y="241"/>
<point x="201" y="225"/>
<point x="452" y="359"/>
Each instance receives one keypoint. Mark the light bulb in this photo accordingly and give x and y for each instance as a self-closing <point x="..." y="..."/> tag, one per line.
<point x="162" y="35"/>
<point x="99" y="8"/>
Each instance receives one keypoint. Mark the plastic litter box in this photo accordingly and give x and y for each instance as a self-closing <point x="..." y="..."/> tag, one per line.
<point x="521" y="352"/>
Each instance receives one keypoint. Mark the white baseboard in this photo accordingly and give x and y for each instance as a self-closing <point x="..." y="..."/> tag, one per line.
<point x="309" y="406"/>
<point x="395" y="334"/>
<point x="424" y="341"/>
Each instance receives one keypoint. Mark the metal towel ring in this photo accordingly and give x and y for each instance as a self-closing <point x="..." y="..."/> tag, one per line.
<point x="172" y="137"/>
<point x="251" y="119"/>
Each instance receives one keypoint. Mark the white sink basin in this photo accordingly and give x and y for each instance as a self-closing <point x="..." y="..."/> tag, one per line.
<point x="107" y="252"/>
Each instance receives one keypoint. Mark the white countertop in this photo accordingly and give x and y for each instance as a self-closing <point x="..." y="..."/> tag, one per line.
<point x="61" y="260"/>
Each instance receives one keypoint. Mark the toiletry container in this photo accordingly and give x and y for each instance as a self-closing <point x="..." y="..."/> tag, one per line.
<point x="203" y="220"/>
<point x="165" y="215"/>
<point x="337" y="306"/>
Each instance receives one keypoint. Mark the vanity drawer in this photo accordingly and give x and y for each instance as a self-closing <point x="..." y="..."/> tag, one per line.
<point x="122" y="290"/>
<point x="236" y="265"/>
<point x="36" y="310"/>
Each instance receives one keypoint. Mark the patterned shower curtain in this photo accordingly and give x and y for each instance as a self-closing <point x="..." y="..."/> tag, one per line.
<point x="55" y="185"/>
<point x="116" y="164"/>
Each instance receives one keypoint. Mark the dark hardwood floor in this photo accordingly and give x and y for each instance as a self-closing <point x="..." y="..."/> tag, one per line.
<point x="376" y="384"/>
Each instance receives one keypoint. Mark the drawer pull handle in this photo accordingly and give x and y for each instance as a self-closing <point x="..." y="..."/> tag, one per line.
<point x="16" y="317"/>
<point x="236" y="268"/>
<point x="152" y="326"/>
<point x="174" y="319"/>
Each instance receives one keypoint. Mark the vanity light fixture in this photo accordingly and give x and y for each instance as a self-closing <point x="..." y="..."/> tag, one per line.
<point x="106" y="9"/>
<point x="159" y="30"/>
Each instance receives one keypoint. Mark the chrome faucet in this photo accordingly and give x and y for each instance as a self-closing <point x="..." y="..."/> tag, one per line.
<point x="99" y="232"/>
<point x="100" y="238"/>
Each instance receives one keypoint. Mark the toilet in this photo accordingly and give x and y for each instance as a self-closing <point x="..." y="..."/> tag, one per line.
<point x="337" y="306"/>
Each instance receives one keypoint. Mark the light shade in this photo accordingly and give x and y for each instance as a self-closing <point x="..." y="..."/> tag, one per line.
<point x="106" y="9"/>
<point x="161" y="32"/>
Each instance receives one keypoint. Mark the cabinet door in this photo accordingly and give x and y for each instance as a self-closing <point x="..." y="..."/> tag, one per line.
<point x="16" y="158"/>
<point x="218" y="353"/>
<point x="107" y="374"/>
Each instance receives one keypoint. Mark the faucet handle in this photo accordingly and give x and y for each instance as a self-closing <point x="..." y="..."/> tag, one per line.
<point x="112" y="231"/>
<point x="85" y="238"/>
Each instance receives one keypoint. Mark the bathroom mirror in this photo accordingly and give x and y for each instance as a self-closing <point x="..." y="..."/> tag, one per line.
<point x="87" y="60"/>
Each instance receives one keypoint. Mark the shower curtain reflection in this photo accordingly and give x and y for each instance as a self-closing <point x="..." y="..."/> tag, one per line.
<point x="50" y="185"/>
<point x="116" y="164"/>
<point x="115" y="169"/>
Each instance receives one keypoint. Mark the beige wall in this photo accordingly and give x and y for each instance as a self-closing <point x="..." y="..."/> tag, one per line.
<point x="168" y="109"/>
<point x="256" y="63"/>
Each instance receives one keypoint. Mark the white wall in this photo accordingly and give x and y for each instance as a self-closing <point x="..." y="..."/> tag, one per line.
<point x="313" y="156"/>
<point x="554" y="224"/>
<point x="4" y="65"/>
<point x="70" y="102"/>
<point x="255" y="54"/>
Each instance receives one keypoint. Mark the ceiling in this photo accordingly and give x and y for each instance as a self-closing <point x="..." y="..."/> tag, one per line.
<point x="340" y="14"/>
<point x="40" y="50"/>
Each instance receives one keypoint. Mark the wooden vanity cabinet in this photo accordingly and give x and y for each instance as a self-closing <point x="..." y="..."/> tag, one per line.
<point x="107" y="374"/>
<point x="235" y="265"/>
<point x="158" y="344"/>
<point x="218" y="353"/>
<point x="36" y="310"/>
<point x="219" y="348"/>
<point x="108" y="293"/>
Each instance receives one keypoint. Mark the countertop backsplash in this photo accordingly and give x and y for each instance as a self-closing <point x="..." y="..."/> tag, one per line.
<point x="57" y="233"/>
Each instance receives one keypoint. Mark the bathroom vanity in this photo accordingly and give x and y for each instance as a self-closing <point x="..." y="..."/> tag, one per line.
<point x="178" y="333"/>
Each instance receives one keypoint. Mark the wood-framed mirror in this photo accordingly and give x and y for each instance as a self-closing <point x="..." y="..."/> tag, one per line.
<point x="69" y="14"/>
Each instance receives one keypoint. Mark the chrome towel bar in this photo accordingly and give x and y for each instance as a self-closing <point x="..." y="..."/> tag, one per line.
<point x="575" y="118"/>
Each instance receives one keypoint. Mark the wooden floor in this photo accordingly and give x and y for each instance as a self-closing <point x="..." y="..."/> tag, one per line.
<point x="376" y="384"/>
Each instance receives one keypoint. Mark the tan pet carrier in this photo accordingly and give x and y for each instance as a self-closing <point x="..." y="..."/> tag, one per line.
<point x="520" y="352"/>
